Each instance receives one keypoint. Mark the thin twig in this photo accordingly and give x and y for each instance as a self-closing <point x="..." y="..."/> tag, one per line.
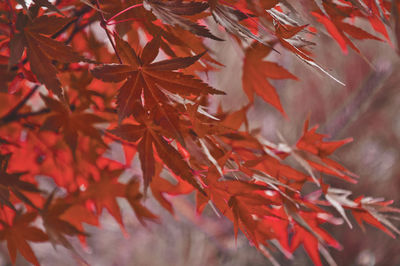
<point x="30" y="114"/>
<point x="18" y="106"/>
<point x="76" y="30"/>
<point x="118" y="140"/>
<point x="18" y="117"/>
<point x="103" y="24"/>
<point x="124" y="20"/>
<point x="352" y="108"/>
<point x="122" y="12"/>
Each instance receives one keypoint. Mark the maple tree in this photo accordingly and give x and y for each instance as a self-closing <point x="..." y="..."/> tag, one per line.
<point x="149" y="93"/>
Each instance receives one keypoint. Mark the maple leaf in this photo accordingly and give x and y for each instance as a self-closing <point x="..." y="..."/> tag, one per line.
<point x="332" y="21"/>
<point x="134" y="197"/>
<point x="371" y="211"/>
<point x="273" y="167"/>
<point x="170" y="12"/>
<point x="143" y="76"/>
<point x="245" y="208"/>
<point x="255" y="72"/>
<point x="230" y="18"/>
<point x="287" y="31"/>
<point x="57" y="227"/>
<point x="275" y="226"/>
<point x="71" y="122"/>
<point x="378" y="19"/>
<point x="145" y="82"/>
<point x="311" y="235"/>
<point x="312" y="148"/>
<point x="160" y="186"/>
<point x="85" y="95"/>
<point x="149" y="137"/>
<point x="41" y="49"/>
<point x="76" y="215"/>
<point x="11" y="181"/>
<point x="104" y="192"/>
<point x="240" y="201"/>
<point x="19" y="233"/>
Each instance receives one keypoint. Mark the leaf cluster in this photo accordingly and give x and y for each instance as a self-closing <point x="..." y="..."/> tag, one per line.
<point x="146" y="88"/>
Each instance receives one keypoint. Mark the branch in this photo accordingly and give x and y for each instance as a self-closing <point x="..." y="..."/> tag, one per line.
<point x="13" y="112"/>
<point x="103" y="24"/>
<point x="353" y="108"/>
<point x="18" y="117"/>
<point x="122" y="12"/>
<point x="30" y="114"/>
<point x="76" y="30"/>
<point x="118" y="140"/>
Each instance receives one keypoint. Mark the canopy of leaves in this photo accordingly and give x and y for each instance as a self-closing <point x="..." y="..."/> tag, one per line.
<point x="150" y="93"/>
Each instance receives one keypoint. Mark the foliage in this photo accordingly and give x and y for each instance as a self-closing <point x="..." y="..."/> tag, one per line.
<point x="149" y="94"/>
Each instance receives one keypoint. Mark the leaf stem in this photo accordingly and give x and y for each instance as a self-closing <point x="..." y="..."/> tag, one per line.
<point x="76" y="30"/>
<point x="78" y="15"/>
<point x="119" y="140"/>
<point x="103" y="24"/>
<point x="123" y="11"/>
<point x="123" y="20"/>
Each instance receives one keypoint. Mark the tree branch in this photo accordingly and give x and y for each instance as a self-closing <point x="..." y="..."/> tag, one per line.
<point x="103" y="24"/>
<point x="355" y="105"/>
<point x="13" y="112"/>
